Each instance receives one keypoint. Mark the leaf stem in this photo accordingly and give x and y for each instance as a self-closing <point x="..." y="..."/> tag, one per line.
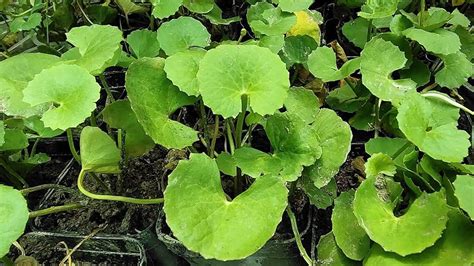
<point x="240" y="122"/>
<point x="230" y="139"/>
<point x="377" y="117"/>
<point x="214" y="136"/>
<point x="369" y="30"/>
<point x="56" y="209"/>
<point x="447" y="100"/>
<point x="106" y="87"/>
<point x="72" y="148"/>
<point x="84" y="191"/>
<point x="29" y="190"/>
<point x="12" y="172"/>
<point x="299" y="243"/>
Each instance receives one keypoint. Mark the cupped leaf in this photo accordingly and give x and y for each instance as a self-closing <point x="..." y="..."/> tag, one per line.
<point x="15" y="73"/>
<point x="380" y="163"/>
<point x="396" y="233"/>
<point x="418" y="72"/>
<point x="294" y="5"/>
<point x="439" y="41"/>
<point x="302" y="103"/>
<point x="199" y="6"/>
<point x="464" y="189"/>
<point x="13" y="217"/>
<point x="356" y="31"/>
<point x="230" y="72"/>
<point x="182" y="33"/>
<point x="432" y="126"/>
<point x="199" y="214"/>
<point x="165" y="8"/>
<point x="334" y="136"/>
<point x="181" y="68"/>
<point x="456" y="71"/>
<point x="144" y="43"/>
<point x="322" y="64"/>
<point x="153" y="99"/>
<point x="454" y="248"/>
<point x="254" y="163"/>
<point x="99" y="153"/>
<point x="459" y="19"/>
<point x="226" y="163"/>
<point x="373" y="9"/>
<point x="14" y="139"/>
<point x="119" y="114"/>
<point x="71" y="89"/>
<point x="96" y="47"/>
<point x="294" y="143"/>
<point x="266" y="19"/>
<point x="350" y="237"/>
<point x="34" y="123"/>
<point x="329" y="253"/>
<point x="307" y="23"/>
<point x="377" y="70"/>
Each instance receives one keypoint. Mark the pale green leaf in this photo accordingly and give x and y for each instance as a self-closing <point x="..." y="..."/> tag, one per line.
<point x="459" y="19"/>
<point x="322" y="64"/>
<point x="199" y="6"/>
<point x="34" y="123"/>
<point x="454" y="248"/>
<point x="373" y="9"/>
<point x="400" y="23"/>
<point x="432" y="126"/>
<point x="70" y="88"/>
<point x="97" y="47"/>
<point x="356" y="31"/>
<point x="181" y="68"/>
<point x="464" y="191"/>
<point x="390" y="147"/>
<point x="99" y="153"/>
<point x="329" y="253"/>
<point x="119" y="114"/>
<point x="350" y="237"/>
<point x="165" y="8"/>
<point x="456" y="71"/>
<point x="153" y="99"/>
<point x="439" y="41"/>
<point x="302" y="103"/>
<point x="13" y="217"/>
<point x="144" y="43"/>
<point x="14" y="139"/>
<point x="230" y="72"/>
<point x="182" y="33"/>
<point x="396" y="233"/>
<point x="274" y="42"/>
<point x="15" y="73"/>
<point x="226" y="163"/>
<point x="200" y="216"/>
<point x="294" y="5"/>
<point x="334" y="136"/>
<point x="254" y="163"/>
<point x="380" y="163"/>
<point x="377" y="70"/>
<point x="19" y="24"/>
<point x="266" y="19"/>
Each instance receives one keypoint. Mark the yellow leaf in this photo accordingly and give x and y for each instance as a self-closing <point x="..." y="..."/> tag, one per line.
<point x="457" y="2"/>
<point x="307" y="23"/>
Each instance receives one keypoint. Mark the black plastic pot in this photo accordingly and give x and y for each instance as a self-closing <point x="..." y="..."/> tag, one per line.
<point x="108" y="249"/>
<point x="273" y="253"/>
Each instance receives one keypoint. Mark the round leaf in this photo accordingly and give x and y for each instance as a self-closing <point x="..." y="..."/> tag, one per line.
<point x="144" y="43"/>
<point x="182" y="33"/>
<point x="199" y="214"/>
<point x="70" y="88"/>
<point x="307" y="23"/>
<point x="199" y="6"/>
<point x="98" y="151"/>
<point x="294" y="5"/>
<point x="322" y="64"/>
<point x="181" y="68"/>
<point x="302" y="103"/>
<point x="266" y="19"/>
<point x="356" y="31"/>
<point x="464" y="189"/>
<point x="456" y="71"/>
<point x="229" y="72"/>
<point x="330" y="255"/>
<point x="439" y="41"/>
<point x="165" y="8"/>
<point x="13" y="217"/>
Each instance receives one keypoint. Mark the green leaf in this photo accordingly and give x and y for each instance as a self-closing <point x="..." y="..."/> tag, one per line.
<point x="14" y="139"/>
<point x="254" y="163"/>
<point x="376" y="70"/>
<point x="144" y="43"/>
<point x="2" y="133"/>
<point x="456" y="71"/>
<point x="400" y="23"/>
<point x="15" y="73"/>
<point x="13" y="217"/>
<point x="96" y="47"/>
<point x="380" y="163"/>
<point x="373" y="9"/>
<point x="459" y="19"/>
<point x="329" y="254"/>
<point x="19" y="24"/>
<point x="274" y="43"/>
<point x="199" y="6"/>
<point x="153" y="99"/>
<point x="294" y="142"/>
<point x="215" y="17"/>
<point x="100" y="14"/>
<point x="128" y="7"/>
<point x="467" y="42"/>
<point x="294" y="5"/>
<point x="334" y="136"/>
<point x="390" y="147"/>
<point x="347" y="99"/>
<point x="226" y="164"/>
<point x="322" y="64"/>
<point x="98" y="151"/>
<point x="418" y="72"/>
<point x="119" y="114"/>
<point x="181" y="68"/>
<point x="319" y="197"/>
<point x="303" y="103"/>
<point x="396" y="233"/>
<point x="266" y="19"/>
<point x="297" y="49"/>
<point x="182" y="33"/>
<point x="34" y="123"/>
<point x="165" y="8"/>
<point x="454" y="248"/>
<point x="464" y="189"/>
<point x="232" y="229"/>
<point x="350" y="237"/>
<point x="70" y="88"/>
<point x="229" y="72"/>
<point x="356" y="31"/>
<point x="432" y="126"/>
<point x="434" y="18"/>
<point x="439" y="41"/>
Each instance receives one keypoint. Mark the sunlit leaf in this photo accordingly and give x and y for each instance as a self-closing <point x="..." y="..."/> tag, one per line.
<point x="199" y="6"/>
<point x="464" y="189"/>
<point x="165" y="8"/>
<point x="99" y="153"/>
<point x="329" y="253"/>
<point x="456" y="71"/>
<point x="322" y="64"/>
<point x="439" y="41"/>
<point x="181" y="68"/>
<point x="307" y="23"/>
<point x="144" y="43"/>
<point x="266" y="19"/>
